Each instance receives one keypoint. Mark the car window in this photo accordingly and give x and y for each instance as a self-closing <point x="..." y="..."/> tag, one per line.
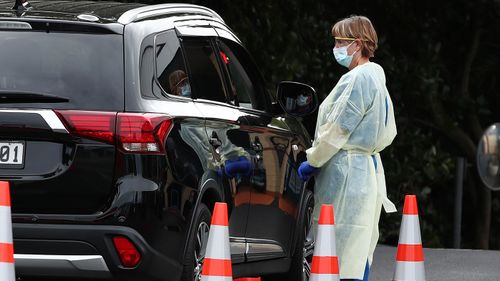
<point x="147" y="70"/>
<point x="204" y="71"/>
<point x="246" y="84"/>
<point x="170" y="69"/>
<point x="86" y="69"/>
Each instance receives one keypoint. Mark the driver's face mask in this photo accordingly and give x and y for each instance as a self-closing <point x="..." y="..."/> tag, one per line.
<point x="186" y="90"/>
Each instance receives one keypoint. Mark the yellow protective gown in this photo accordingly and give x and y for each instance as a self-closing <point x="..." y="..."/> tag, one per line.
<point x="355" y="122"/>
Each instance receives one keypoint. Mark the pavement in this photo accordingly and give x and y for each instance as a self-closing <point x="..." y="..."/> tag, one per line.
<point x="442" y="264"/>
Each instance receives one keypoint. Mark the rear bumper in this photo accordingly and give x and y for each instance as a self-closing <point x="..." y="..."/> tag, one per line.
<point x="84" y="266"/>
<point x="85" y="251"/>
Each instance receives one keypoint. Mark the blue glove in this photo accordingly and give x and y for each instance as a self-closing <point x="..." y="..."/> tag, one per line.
<point x="306" y="171"/>
<point x="240" y="166"/>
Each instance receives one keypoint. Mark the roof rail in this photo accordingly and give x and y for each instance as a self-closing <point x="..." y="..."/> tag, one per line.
<point x="151" y="11"/>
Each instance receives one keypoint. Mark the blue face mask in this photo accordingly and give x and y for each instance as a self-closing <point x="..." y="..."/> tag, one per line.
<point x="186" y="91"/>
<point x="341" y="55"/>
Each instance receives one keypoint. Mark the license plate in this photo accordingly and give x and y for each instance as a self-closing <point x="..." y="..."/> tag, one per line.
<point x="11" y="154"/>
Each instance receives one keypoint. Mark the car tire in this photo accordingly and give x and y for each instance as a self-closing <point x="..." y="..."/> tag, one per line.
<point x="300" y="268"/>
<point x="197" y="244"/>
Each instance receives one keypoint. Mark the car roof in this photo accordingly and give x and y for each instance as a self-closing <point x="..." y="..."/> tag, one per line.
<point x="106" y="11"/>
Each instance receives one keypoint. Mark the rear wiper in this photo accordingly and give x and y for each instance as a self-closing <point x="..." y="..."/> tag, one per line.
<point x="10" y="96"/>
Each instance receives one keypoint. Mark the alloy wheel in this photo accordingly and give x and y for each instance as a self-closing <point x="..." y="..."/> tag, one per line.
<point x="308" y="247"/>
<point x="200" y="249"/>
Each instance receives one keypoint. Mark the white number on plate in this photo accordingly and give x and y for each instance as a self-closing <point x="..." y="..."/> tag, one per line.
<point x="11" y="153"/>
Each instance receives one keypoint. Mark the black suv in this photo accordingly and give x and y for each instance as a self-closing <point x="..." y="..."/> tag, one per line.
<point x="120" y="126"/>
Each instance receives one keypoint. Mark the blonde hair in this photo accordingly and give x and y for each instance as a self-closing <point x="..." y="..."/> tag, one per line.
<point x="358" y="27"/>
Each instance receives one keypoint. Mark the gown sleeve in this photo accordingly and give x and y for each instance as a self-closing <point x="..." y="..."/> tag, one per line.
<point x="347" y="111"/>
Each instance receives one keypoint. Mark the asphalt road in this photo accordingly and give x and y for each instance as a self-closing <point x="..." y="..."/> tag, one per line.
<point x="442" y="265"/>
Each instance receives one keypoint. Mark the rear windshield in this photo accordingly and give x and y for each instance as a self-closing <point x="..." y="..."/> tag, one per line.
<point x="86" y="69"/>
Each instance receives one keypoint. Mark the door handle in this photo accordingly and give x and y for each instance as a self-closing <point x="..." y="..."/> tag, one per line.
<point x="257" y="146"/>
<point x="215" y="141"/>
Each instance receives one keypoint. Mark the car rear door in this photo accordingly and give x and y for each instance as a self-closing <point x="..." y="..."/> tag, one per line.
<point x="222" y="122"/>
<point x="274" y="199"/>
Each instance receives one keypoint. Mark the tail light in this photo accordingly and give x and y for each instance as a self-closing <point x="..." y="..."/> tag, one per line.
<point x="128" y="253"/>
<point x="143" y="132"/>
<point x="99" y="126"/>
<point x="130" y="132"/>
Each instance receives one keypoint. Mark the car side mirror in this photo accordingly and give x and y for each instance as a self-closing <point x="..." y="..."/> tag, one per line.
<point x="488" y="157"/>
<point x="297" y="99"/>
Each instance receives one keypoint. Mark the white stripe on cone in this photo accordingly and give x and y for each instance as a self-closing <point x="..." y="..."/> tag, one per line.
<point x="216" y="278"/>
<point x="326" y="238"/>
<point x="7" y="272"/>
<point x="5" y="225"/>
<point x="324" y="277"/>
<point x="218" y="246"/>
<point x="409" y="271"/>
<point x="410" y="230"/>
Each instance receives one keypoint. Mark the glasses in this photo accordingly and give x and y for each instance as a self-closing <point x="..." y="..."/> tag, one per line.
<point x="182" y="82"/>
<point x="341" y="41"/>
<point x="346" y="40"/>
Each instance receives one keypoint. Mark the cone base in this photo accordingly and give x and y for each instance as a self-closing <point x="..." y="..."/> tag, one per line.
<point x="7" y="272"/>
<point x="409" y="271"/>
<point x="324" y="277"/>
<point x="216" y="278"/>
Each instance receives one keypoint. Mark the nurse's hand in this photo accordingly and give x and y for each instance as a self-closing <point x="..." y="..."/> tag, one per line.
<point x="306" y="171"/>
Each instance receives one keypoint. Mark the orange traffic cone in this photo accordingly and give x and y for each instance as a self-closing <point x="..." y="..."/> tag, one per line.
<point x="7" y="272"/>
<point x="247" y="279"/>
<point x="325" y="264"/>
<point x="410" y="255"/>
<point x="217" y="263"/>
